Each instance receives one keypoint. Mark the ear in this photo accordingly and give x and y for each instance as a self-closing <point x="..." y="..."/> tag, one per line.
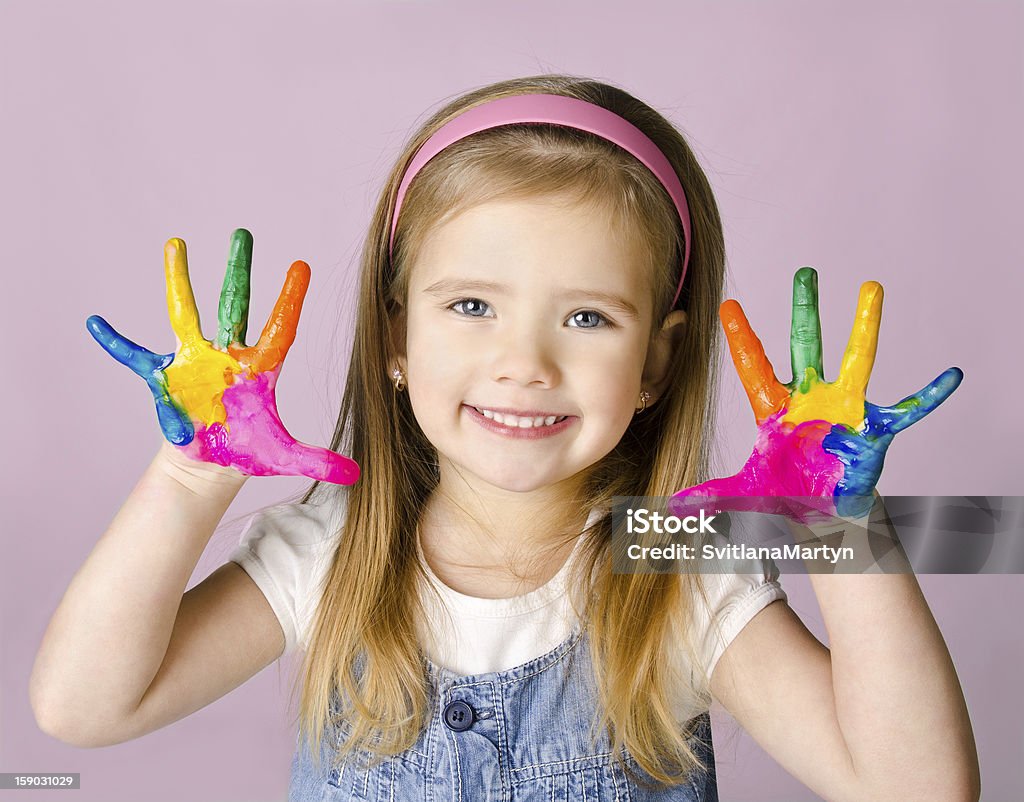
<point x="396" y="339"/>
<point x="655" y="378"/>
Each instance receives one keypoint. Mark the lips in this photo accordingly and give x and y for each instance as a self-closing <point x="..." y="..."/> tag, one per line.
<point x="514" y="427"/>
<point x="520" y="421"/>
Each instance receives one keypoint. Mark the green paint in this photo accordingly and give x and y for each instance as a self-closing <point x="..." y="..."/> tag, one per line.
<point x="805" y="331"/>
<point x="808" y="380"/>
<point x="233" y="313"/>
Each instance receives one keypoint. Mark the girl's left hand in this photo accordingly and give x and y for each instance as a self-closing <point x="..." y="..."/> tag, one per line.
<point x="820" y="445"/>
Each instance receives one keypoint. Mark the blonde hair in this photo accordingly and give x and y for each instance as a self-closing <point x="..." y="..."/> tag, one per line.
<point x="371" y="602"/>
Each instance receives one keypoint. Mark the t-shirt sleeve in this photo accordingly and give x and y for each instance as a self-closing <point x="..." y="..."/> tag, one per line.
<point x="735" y="599"/>
<point x="740" y="591"/>
<point x="286" y="550"/>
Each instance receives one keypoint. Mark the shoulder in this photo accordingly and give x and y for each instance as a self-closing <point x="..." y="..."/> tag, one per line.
<point x="733" y="599"/>
<point x="726" y="595"/>
<point x="286" y="549"/>
<point x="300" y="524"/>
<point x="289" y="533"/>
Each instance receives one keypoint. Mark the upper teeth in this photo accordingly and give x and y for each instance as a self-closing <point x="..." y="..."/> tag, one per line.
<point x="517" y="421"/>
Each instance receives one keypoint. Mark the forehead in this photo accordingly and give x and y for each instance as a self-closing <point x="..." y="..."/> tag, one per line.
<point x="544" y="240"/>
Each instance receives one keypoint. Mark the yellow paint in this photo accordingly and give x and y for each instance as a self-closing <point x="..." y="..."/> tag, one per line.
<point x="200" y="373"/>
<point x="824" y="401"/>
<point x="181" y="303"/>
<point x="197" y="379"/>
<point x="859" y="356"/>
<point x="842" y="401"/>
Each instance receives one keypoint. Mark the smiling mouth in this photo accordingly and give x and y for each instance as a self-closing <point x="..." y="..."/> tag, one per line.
<point x="521" y="421"/>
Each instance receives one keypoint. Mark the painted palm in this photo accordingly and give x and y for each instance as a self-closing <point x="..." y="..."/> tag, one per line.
<point x="216" y="400"/>
<point x="820" y="445"/>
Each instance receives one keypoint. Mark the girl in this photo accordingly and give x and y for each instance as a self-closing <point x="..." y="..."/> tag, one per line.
<point x="536" y="334"/>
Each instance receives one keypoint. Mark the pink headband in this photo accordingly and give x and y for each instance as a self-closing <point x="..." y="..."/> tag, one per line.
<point x="557" y="110"/>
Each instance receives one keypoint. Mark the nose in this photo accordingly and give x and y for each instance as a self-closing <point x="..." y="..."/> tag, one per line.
<point x="525" y="356"/>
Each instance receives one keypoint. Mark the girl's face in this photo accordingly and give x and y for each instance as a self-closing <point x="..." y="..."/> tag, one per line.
<point x="528" y="309"/>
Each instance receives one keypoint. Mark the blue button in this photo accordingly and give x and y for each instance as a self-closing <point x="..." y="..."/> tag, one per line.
<point x="458" y="716"/>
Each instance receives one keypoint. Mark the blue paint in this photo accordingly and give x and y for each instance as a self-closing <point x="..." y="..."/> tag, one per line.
<point x="175" y="424"/>
<point x="862" y="452"/>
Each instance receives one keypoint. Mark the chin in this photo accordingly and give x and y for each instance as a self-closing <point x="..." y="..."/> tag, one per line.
<point x="524" y="479"/>
<point x="518" y="484"/>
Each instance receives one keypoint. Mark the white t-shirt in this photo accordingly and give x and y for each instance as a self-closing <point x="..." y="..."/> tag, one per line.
<point x="287" y="549"/>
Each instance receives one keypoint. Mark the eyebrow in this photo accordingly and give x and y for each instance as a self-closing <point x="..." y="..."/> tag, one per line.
<point x="446" y="286"/>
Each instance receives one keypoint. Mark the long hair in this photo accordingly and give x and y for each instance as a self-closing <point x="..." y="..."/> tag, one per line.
<point x="363" y="670"/>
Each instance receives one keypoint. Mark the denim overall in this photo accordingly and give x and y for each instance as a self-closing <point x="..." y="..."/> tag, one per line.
<point x="520" y="735"/>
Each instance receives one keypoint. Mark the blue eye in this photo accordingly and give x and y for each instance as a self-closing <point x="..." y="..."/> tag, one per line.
<point x="473" y="306"/>
<point x="585" y="319"/>
<point x="599" y="320"/>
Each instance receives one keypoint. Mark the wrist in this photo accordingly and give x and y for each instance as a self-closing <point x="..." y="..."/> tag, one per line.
<point x="202" y="478"/>
<point x="871" y="539"/>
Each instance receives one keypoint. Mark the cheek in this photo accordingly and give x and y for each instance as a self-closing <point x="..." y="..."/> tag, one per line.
<point x="435" y="361"/>
<point x="613" y="381"/>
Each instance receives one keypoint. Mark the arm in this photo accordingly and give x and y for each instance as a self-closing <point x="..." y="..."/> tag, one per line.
<point x="879" y="716"/>
<point x="110" y="634"/>
<point x="898" y="700"/>
<point x="126" y="652"/>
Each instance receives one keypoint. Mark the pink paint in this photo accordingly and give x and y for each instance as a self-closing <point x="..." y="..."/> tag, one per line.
<point x="259" y="444"/>
<point x="788" y="467"/>
<point x="799" y="466"/>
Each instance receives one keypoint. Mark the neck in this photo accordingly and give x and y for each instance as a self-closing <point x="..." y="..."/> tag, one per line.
<point x="485" y="541"/>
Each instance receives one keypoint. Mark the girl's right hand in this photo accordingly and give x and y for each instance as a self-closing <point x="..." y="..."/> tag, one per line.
<point x="216" y="400"/>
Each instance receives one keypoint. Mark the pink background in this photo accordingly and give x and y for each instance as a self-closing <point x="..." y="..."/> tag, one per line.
<point x="872" y="141"/>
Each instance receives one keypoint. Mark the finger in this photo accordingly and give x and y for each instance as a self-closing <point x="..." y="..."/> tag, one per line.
<point x="324" y="465"/>
<point x="264" y="447"/>
<point x="175" y="424"/>
<point x="142" y="361"/>
<point x="277" y="452"/>
<point x="181" y="303"/>
<point x="766" y="393"/>
<point x="914" y="407"/>
<point x="279" y="333"/>
<point x="859" y="358"/>
<point x="233" y="312"/>
<point x="805" y="331"/>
